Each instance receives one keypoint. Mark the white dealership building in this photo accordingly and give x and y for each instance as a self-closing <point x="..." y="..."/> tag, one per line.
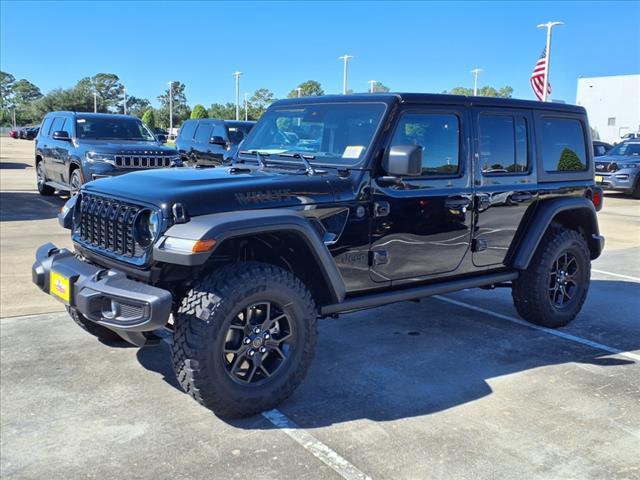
<point x="612" y="103"/>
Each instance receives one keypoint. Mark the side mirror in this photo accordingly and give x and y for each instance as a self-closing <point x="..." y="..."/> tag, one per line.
<point x="403" y="161"/>
<point x="61" y="135"/>
<point x="161" y="138"/>
<point x="215" y="140"/>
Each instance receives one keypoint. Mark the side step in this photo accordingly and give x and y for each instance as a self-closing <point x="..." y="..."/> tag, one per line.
<point x="377" y="299"/>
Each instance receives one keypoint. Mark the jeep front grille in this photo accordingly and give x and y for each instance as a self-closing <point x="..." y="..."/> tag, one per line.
<point x="142" y="161"/>
<point x="107" y="223"/>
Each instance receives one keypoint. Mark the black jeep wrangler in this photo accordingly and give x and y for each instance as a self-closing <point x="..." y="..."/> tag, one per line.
<point x="333" y="204"/>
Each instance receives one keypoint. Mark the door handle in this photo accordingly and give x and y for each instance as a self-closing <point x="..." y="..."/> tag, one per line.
<point x="457" y="203"/>
<point x="521" y="196"/>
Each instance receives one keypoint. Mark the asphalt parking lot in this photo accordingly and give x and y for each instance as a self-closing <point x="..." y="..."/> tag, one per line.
<point x="452" y="387"/>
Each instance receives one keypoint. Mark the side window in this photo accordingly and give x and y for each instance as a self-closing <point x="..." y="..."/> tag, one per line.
<point x="599" y="151"/>
<point x="46" y="125"/>
<point x="219" y="131"/>
<point x="187" y="130"/>
<point x="68" y="126"/>
<point x="563" y="145"/>
<point x="438" y="135"/>
<point x="503" y="144"/>
<point x="203" y="133"/>
<point x="57" y="124"/>
<point x="236" y="135"/>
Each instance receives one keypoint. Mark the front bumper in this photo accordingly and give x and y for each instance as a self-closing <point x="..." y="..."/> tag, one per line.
<point x="104" y="296"/>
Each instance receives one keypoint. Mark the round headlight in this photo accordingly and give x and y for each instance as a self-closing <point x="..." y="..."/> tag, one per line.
<point x="147" y="227"/>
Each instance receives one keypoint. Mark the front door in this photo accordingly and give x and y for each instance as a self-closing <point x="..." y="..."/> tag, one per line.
<point x="422" y="225"/>
<point x="505" y="180"/>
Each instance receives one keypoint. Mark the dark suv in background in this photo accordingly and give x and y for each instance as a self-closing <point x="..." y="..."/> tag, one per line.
<point x="75" y="148"/>
<point x="211" y="142"/>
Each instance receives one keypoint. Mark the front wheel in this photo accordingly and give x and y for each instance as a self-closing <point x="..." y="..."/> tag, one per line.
<point x="244" y="338"/>
<point x="75" y="182"/>
<point x="553" y="289"/>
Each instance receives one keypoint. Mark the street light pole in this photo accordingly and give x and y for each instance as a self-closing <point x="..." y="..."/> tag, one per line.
<point x="170" y="108"/>
<point x="372" y="85"/>
<point x="548" y="26"/>
<point x="237" y="75"/>
<point x="95" y="101"/>
<point x="299" y="89"/>
<point x="475" y="72"/>
<point x="125" y="100"/>
<point x="345" y="74"/>
<point x="246" y="107"/>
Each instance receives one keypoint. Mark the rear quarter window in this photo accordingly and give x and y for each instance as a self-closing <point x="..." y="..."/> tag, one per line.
<point x="563" y="145"/>
<point x="187" y="130"/>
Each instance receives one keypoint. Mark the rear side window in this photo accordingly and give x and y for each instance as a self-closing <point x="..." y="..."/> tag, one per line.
<point x="57" y="124"/>
<point x="203" y="133"/>
<point x="503" y="144"/>
<point x="46" y="125"/>
<point x="187" y="130"/>
<point x="562" y="143"/>
<point x="439" y="137"/>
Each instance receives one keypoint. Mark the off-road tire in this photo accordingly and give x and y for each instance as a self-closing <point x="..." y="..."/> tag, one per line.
<point x="102" y="333"/>
<point x="43" y="189"/>
<point x="531" y="290"/>
<point x="202" y="323"/>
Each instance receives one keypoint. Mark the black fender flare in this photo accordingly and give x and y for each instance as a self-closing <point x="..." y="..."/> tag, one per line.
<point x="226" y="225"/>
<point x="544" y="214"/>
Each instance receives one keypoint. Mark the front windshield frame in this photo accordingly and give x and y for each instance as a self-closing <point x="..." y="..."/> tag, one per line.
<point x="317" y="161"/>
<point x="624" y="145"/>
<point x="150" y="137"/>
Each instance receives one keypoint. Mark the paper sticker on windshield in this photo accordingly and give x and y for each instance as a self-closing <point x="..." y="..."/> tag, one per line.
<point x="353" y="151"/>
<point x="80" y="120"/>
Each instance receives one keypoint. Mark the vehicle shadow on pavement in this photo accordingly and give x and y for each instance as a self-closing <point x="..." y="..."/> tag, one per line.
<point x="17" y="206"/>
<point x="14" y="165"/>
<point x="410" y="359"/>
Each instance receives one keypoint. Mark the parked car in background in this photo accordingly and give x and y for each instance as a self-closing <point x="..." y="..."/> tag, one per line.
<point x="627" y="136"/>
<point x="13" y="133"/>
<point x="208" y="142"/>
<point x="75" y="148"/>
<point x="31" y="133"/>
<point x="620" y="169"/>
<point x="601" y="148"/>
<point x="22" y="133"/>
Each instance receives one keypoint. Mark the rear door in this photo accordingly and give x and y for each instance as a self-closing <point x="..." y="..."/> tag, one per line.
<point x="505" y="180"/>
<point x="184" y="143"/>
<point x="201" y="145"/>
<point x="422" y="225"/>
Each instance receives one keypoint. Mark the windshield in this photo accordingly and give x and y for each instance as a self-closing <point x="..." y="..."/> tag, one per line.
<point x="112" y="128"/>
<point x="337" y="133"/>
<point x="625" y="149"/>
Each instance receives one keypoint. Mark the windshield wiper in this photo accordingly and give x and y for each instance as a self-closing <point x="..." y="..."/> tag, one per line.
<point x="258" y="155"/>
<point x="307" y="166"/>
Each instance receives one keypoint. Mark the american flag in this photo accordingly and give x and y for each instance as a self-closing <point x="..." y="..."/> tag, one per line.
<point x="537" y="77"/>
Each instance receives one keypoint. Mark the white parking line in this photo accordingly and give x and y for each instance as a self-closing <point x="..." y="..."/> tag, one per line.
<point x="556" y="333"/>
<point x="323" y="453"/>
<point x="635" y="279"/>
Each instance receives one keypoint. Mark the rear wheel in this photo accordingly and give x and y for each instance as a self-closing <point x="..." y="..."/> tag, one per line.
<point x="244" y="338"/>
<point x="43" y="188"/>
<point x="553" y="289"/>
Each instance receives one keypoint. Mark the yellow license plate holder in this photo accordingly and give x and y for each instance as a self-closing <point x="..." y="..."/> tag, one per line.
<point x="598" y="178"/>
<point x="60" y="286"/>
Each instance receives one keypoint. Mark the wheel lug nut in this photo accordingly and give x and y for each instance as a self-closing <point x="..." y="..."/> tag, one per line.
<point x="252" y="353"/>
<point x="262" y="349"/>
<point x="247" y="340"/>
<point x="256" y="330"/>
<point x="266" y="336"/>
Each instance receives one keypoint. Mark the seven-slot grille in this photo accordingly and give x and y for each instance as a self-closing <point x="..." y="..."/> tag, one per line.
<point x="107" y="223"/>
<point x="142" y="161"/>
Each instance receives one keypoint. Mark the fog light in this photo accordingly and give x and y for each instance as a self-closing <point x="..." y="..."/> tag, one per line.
<point x="110" y="309"/>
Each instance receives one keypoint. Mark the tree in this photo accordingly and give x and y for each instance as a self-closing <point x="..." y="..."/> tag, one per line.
<point x="379" y="87"/>
<point x="109" y="90"/>
<point x="569" y="160"/>
<point x="6" y="85"/>
<point x="223" y="111"/>
<point x="24" y="93"/>
<point x="149" y="118"/>
<point x="179" y="102"/>
<point x="486" y="91"/>
<point x="309" y="88"/>
<point x="199" y="112"/>
<point x="259" y="102"/>
<point x="136" y="106"/>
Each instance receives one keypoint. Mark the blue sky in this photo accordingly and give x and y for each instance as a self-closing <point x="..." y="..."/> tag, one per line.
<point x="409" y="46"/>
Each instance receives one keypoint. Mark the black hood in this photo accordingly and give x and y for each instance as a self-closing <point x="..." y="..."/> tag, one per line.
<point x="211" y="190"/>
<point x="127" y="147"/>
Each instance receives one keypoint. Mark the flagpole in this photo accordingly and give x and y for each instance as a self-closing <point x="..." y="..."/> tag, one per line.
<point x="548" y="26"/>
